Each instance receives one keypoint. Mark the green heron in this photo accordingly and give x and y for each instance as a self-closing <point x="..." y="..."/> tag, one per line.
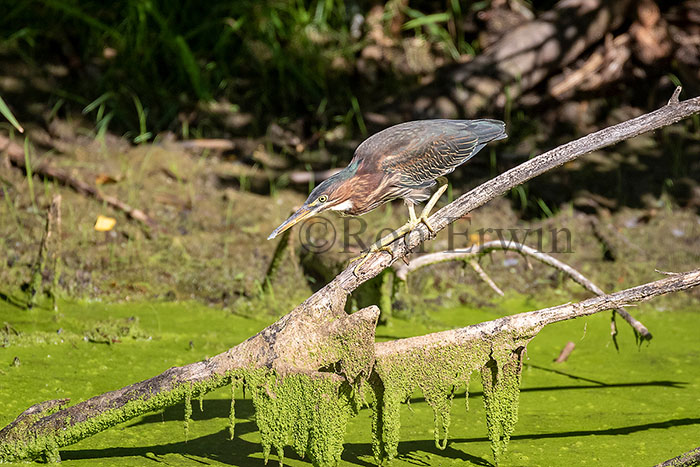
<point x="403" y="161"/>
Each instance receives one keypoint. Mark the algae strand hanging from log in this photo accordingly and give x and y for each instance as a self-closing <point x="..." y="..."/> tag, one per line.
<point x="501" y="381"/>
<point x="232" y="411"/>
<point x="188" y="410"/>
<point x="308" y="412"/>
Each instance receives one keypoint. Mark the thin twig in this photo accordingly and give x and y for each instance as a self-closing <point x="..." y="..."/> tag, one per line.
<point x="485" y="277"/>
<point x="565" y="352"/>
<point x="674" y="97"/>
<point x="55" y="250"/>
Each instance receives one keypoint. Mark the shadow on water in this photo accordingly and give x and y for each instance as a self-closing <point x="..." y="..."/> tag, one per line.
<point x="408" y="449"/>
<point x="217" y="446"/>
<point x="598" y="385"/>
<point x="12" y="300"/>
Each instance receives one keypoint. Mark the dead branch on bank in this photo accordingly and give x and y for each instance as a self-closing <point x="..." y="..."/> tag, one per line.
<point x="16" y="154"/>
<point x="317" y="351"/>
<point x="476" y="251"/>
<point x="49" y="251"/>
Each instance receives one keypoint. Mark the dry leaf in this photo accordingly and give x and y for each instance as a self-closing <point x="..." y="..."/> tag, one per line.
<point x="104" y="223"/>
<point x="104" y="179"/>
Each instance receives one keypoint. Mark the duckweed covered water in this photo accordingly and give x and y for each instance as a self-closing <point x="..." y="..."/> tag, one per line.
<point x="637" y="406"/>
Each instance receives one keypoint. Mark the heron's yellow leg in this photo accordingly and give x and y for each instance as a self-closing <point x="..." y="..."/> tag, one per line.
<point x="413" y="220"/>
<point x="431" y="204"/>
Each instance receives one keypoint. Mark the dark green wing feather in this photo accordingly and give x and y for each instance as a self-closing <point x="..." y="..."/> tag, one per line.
<point x="417" y="153"/>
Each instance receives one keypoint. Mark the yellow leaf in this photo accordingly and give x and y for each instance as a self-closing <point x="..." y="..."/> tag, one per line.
<point x="104" y="223"/>
<point x="104" y="179"/>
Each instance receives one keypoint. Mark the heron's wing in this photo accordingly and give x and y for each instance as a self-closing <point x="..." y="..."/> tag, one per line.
<point x="425" y="150"/>
<point x="418" y="165"/>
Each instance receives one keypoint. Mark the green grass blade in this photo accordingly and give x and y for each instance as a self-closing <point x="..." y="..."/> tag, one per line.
<point x="425" y="20"/>
<point x="358" y="115"/>
<point x="96" y="103"/>
<point x="80" y="14"/>
<point x="144" y="134"/>
<point x="190" y="65"/>
<point x="5" y="111"/>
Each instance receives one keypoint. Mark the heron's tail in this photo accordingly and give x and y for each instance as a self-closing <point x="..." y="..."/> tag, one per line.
<point x="487" y="130"/>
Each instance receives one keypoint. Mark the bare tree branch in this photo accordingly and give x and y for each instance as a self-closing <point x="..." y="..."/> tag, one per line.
<point x="485" y="277"/>
<point x="436" y="362"/>
<point x="530" y="323"/>
<point x="376" y="262"/>
<point x="475" y="251"/>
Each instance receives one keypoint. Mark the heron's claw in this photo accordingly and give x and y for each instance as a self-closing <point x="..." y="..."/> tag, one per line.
<point x="365" y="256"/>
<point x="426" y="222"/>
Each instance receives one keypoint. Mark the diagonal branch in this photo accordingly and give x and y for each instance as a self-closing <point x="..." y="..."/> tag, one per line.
<point x="528" y="324"/>
<point x="376" y="262"/>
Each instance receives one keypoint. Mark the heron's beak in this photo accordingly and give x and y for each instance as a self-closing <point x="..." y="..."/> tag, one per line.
<point x="294" y="219"/>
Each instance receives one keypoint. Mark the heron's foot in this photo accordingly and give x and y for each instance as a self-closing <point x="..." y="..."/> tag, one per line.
<point x="414" y="220"/>
<point x="424" y="220"/>
<point x="432" y="202"/>
<point x="365" y="256"/>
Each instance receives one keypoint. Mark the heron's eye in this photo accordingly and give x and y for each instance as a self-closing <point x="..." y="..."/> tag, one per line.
<point x="322" y="199"/>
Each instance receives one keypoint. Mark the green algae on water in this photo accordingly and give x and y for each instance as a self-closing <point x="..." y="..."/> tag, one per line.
<point x="437" y="372"/>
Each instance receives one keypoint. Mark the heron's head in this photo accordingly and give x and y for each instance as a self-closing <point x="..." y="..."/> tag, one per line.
<point x="333" y="194"/>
